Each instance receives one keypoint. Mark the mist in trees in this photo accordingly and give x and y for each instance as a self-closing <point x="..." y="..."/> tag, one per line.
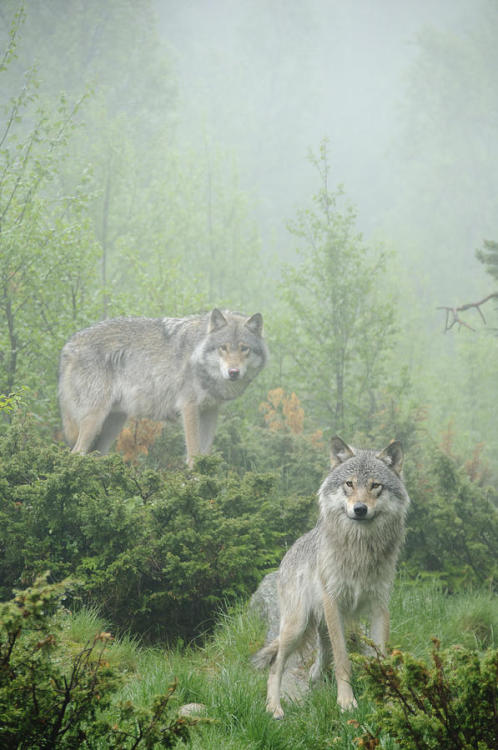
<point x="155" y="160"/>
<point x="336" y="307"/>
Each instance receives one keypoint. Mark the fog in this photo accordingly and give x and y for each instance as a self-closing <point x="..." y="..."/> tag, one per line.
<point x="187" y="155"/>
<point x="269" y="80"/>
<point x="404" y="93"/>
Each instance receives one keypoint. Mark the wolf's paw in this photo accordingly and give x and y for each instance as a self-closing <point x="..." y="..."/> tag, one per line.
<point x="276" y="711"/>
<point x="346" y="700"/>
<point x="349" y="706"/>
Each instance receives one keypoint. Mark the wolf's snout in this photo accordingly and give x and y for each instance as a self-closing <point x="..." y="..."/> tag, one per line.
<point x="360" y="510"/>
<point x="233" y="373"/>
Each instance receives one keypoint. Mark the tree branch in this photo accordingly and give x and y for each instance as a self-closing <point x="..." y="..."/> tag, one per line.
<point x="453" y="316"/>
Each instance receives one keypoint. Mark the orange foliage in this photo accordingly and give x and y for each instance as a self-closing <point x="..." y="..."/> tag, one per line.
<point x="283" y="412"/>
<point x="477" y="469"/>
<point x="137" y="438"/>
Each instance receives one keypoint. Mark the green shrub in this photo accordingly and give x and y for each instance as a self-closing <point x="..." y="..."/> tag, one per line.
<point x="452" y="533"/>
<point x="299" y="462"/>
<point x="51" y="698"/>
<point x="159" y="553"/>
<point x="452" y="524"/>
<point x="448" y="705"/>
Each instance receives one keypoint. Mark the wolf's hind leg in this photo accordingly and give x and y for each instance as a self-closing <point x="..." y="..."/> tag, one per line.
<point x="89" y="431"/>
<point x="112" y="426"/>
<point x="70" y="428"/>
<point x="323" y="656"/>
<point x="290" y="638"/>
<point x="379" y="627"/>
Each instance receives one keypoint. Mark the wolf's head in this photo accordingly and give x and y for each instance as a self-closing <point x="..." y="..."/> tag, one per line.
<point x="233" y="349"/>
<point x="363" y="485"/>
<point x="238" y="343"/>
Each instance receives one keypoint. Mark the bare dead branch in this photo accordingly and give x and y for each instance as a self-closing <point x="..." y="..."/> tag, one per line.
<point x="453" y="313"/>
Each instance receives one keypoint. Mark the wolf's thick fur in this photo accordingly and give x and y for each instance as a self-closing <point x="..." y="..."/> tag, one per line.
<point x="157" y="368"/>
<point x="343" y="568"/>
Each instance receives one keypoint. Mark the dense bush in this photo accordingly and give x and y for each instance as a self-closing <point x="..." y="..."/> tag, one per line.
<point x="453" y="521"/>
<point x="159" y="553"/>
<point x="52" y="698"/>
<point x="452" y="526"/>
<point x="298" y="461"/>
<point x="448" y="705"/>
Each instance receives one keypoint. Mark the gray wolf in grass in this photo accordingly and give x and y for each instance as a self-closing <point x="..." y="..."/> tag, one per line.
<point x="157" y="368"/>
<point x="343" y="568"/>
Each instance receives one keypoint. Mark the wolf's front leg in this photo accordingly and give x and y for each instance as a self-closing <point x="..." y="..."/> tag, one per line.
<point x="207" y="428"/>
<point x="190" y="416"/>
<point x="342" y="664"/>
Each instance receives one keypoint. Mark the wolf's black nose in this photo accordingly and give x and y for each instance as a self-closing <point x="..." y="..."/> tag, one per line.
<point x="233" y="373"/>
<point x="360" y="510"/>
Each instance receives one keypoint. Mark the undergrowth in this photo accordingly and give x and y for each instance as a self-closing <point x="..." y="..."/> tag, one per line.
<point x="219" y="676"/>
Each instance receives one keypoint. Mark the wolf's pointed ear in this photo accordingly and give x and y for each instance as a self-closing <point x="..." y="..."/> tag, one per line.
<point x="216" y="320"/>
<point x="339" y="451"/>
<point x="255" y="324"/>
<point x="393" y="456"/>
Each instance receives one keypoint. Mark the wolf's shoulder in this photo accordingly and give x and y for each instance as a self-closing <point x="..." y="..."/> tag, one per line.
<point x="188" y="325"/>
<point x="304" y="545"/>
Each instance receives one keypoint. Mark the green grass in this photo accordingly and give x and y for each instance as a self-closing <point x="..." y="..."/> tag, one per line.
<point x="220" y="676"/>
<point x="421" y="611"/>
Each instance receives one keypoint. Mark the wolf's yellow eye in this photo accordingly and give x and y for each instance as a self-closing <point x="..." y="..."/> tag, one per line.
<point x="349" y="483"/>
<point x="244" y="349"/>
<point x="375" y="485"/>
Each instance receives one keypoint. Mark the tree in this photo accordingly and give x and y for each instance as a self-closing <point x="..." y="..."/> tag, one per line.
<point x="46" y="254"/>
<point x="101" y="213"/>
<point x="443" y="166"/>
<point x="171" y="222"/>
<point x="340" y="321"/>
<point x="488" y="256"/>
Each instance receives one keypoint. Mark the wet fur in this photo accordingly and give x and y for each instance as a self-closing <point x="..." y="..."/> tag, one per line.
<point x="340" y="570"/>
<point x="157" y="368"/>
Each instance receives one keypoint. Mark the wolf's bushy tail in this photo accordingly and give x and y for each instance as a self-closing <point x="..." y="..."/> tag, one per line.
<point x="266" y="655"/>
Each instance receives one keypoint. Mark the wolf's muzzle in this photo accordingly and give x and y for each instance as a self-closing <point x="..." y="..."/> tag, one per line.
<point x="360" y="510"/>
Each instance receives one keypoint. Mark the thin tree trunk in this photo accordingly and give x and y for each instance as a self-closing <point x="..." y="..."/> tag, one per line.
<point x="105" y="226"/>
<point x="12" y="360"/>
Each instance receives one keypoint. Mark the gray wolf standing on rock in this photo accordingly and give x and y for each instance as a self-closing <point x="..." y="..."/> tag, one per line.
<point x="341" y="569"/>
<point x="157" y="368"/>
